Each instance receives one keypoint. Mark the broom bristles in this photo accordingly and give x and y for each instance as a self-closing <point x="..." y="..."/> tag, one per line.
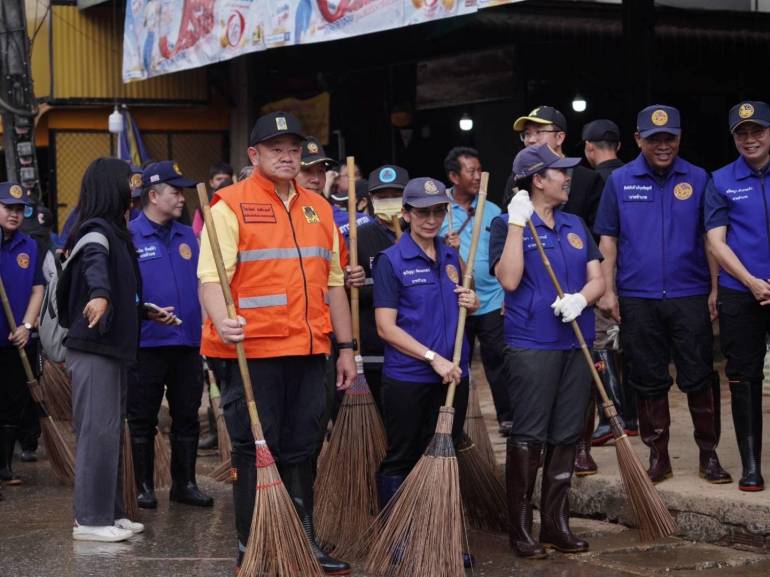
<point x="57" y="390"/>
<point x="162" y="472"/>
<point x="346" y="486"/>
<point x="222" y="471"/>
<point x="60" y="454"/>
<point x="476" y="429"/>
<point x="420" y="530"/>
<point x="484" y="500"/>
<point x="130" y="505"/>
<point x="278" y="546"/>
<point x="223" y="437"/>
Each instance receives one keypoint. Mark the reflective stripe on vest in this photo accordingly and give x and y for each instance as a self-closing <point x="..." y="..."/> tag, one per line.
<point x="263" y="301"/>
<point x="284" y="253"/>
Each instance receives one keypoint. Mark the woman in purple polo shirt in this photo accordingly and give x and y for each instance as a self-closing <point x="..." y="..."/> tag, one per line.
<point x="416" y="296"/>
<point x="550" y="384"/>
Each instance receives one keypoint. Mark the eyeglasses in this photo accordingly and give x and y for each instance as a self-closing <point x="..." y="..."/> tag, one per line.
<point x="534" y="133"/>
<point x="426" y="213"/>
<point x="753" y="133"/>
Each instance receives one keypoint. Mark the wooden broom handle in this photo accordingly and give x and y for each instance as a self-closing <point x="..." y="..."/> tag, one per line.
<point x="575" y="326"/>
<point x="216" y="251"/>
<point x="353" y="249"/>
<point x="396" y="220"/>
<point x="12" y="325"/>
<point x="467" y="279"/>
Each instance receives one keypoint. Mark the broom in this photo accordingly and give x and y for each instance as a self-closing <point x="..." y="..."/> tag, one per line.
<point x="396" y="220"/>
<point x="421" y="528"/>
<point x="59" y="453"/>
<point x="346" y="503"/>
<point x="651" y="512"/>
<point x="476" y="429"/>
<point x="130" y="505"/>
<point x="57" y="390"/>
<point x="222" y="471"/>
<point x="162" y="470"/>
<point x="277" y="544"/>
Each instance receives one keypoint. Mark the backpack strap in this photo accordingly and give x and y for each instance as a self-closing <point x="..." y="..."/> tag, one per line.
<point x="88" y="238"/>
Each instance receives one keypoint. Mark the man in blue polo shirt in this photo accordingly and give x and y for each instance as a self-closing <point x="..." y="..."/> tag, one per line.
<point x="21" y="271"/>
<point x="651" y="226"/>
<point x="168" y="355"/>
<point x="463" y="169"/>
<point x="737" y="221"/>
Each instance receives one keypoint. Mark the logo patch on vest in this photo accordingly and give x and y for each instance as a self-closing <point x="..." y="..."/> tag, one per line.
<point x="22" y="259"/>
<point x="185" y="251"/>
<point x="574" y="239"/>
<point x="683" y="190"/>
<point x="254" y="212"/>
<point x="310" y="214"/>
<point x="451" y="272"/>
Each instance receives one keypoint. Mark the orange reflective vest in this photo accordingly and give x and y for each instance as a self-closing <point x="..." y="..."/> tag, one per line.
<point x="281" y="278"/>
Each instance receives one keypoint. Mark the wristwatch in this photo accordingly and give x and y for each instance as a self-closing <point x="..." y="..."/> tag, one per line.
<point x="27" y="326"/>
<point x="429" y="356"/>
<point x="353" y="345"/>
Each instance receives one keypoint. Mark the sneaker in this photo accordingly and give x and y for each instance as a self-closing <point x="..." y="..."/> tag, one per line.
<point x="108" y="533"/>
<point x="132" y="526"/>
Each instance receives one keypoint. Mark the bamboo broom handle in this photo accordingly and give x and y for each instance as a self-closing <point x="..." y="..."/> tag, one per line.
<point x="467" y="278"/>
<point x="575" y="326"/>
<point x="12" y="325"/>
<point x="231" y="312"/>
<point x="396" y="220"/>
<point x="353" y="250"/>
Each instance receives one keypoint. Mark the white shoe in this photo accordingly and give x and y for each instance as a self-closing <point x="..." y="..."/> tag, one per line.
<point x="132" y="526"/>
<point x="108" y="533"/>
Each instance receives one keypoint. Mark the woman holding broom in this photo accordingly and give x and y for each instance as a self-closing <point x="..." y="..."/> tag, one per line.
<point x="550" y="381"/>
<point x="416" y="295"/>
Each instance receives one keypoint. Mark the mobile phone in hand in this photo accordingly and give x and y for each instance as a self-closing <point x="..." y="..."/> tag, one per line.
<point x="157" y="309"/>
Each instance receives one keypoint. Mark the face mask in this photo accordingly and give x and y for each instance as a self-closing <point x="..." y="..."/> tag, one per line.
<point x="386" y="208"/>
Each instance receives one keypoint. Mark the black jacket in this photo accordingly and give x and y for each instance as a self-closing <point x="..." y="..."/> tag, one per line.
<point x="115" y="277"/>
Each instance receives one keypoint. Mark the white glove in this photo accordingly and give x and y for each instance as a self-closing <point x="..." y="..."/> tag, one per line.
<point x="520" y="209"/>
<point x="569" y="307"/>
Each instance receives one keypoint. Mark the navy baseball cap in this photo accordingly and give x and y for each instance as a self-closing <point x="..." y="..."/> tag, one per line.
<point x="12" y="194"/>
<point x="754" y="111"/>
<point x="658" y="118"/>
<point x="542" y="115"/>
<point x="135" y="180"/>
<point x="166" y="171"/>
<point x="534" y="159"/>
<point x="313" y="153"/>
<point x="275" y="124"/>
<point x="423" y="192"/>
<point x="388" y="176"/>
<point x="600" y="130"/>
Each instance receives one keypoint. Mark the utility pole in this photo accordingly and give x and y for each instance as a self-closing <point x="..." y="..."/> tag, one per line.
<point x="17" y="99"/>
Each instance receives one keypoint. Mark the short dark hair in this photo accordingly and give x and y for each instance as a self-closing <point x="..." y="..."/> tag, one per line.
<point x="606" y="144"/>
<point x="452" y="160"/>
<point x="220" y="168"/>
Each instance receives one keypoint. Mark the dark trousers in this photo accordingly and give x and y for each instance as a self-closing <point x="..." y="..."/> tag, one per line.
<point x="179" y="372"/>
<point x="410" y="412"/>
<point x="14" y="393"/>
<point x="743" y="328"/>
<point x="291" y="401"/>
<point x="655" y="331"/>
<point x="373" y="374"/>
<point x="488" y="328"/>
<point x="550" y="391"/>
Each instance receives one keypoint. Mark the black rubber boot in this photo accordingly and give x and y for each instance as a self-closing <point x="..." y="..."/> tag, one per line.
<point x="554" y="501"/>
<point x="298" y="480"/>
<point x="184" y="489"/>
<point x="607" y="369"/>
<point x="7" y="442"/>
<point x="707" y="429"/>
<point x="244" y="491"/>
<point x="521" y="464"/>
<point x="746" y="401"/>
<point x="143" y="451"/>
<point x="654" y="424"/>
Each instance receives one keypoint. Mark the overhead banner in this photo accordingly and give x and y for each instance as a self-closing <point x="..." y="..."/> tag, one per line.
<point x="162" y="36"/>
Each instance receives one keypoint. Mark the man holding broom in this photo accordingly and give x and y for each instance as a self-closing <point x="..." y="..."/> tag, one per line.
<point x="22" y="275"/>
<point x="281" y="253"/>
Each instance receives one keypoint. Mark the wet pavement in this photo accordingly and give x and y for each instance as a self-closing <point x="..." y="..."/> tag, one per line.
<point x="35" y="541"/>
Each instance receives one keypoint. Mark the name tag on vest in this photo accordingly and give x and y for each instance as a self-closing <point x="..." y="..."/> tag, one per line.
<point x="545" y="239"/>
<point x="148" y="252"/>
<point x="254" y="212"/>
<point x="637" y="193"/>
<point x="417" y="276"/>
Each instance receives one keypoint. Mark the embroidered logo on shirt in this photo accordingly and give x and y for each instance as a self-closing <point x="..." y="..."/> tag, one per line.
<point x="683" y="190"/>
<point x="659" y="117"/>
<point x="574" y="239"/>
<point x="310" y="214"/>
<point x="185" y="251"/>
<point x="746" y="110"/>
<point x="22" y="259"/>
<point x="451" y="272"/>
<point x="254" y="212"/>
<point x="15" y="191"/>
